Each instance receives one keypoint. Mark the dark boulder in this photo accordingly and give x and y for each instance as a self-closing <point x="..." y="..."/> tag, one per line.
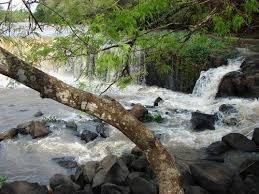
<point x="140" y="164"/>
<point x="239" y="142"/>
<point x="89" y="170"/>
<point x="9" y="134"/>
<point x="195" y="190"/>
<point x="201" y="121"/>
<point x="128" y="158"/>
<point x="37" y="129"/>
<point x="66" y="161"/>
<point x="237" y="186"/>
<point x="102" y="130"/>
<point x="156" y="102"/>
<point x="227" y="109"/>
<point x="88" y="136"/>
<point x="109" y="188"/>
<point x="24" y="128"/>
<point x="139" y="111"/>
<point x="217" y="148"/>
<point x="217" y="61"/>
<point x="140" y="185"/>
<point x="249" y="167"/>
<point x="23" y="187"/>
<point x="64" y="189"/>
<point x="213" y="177"/>
<point x="243" y="83"/>
<point x="252" y="184"/>
<point x="71" y="125"/>
<point x="112" y="170"/>
<point x="137" y="151"/>
<point x="38" y="114"/>
<point x="59" y="180"/>
<point x="78" y="177"/>
<point x="256" y="136"/>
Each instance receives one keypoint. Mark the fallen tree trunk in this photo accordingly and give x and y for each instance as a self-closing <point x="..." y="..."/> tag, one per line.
<point x="109" y="111"/>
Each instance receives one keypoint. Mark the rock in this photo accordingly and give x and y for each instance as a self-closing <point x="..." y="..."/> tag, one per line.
<point x="24" y="128"/>
<point x="201" y="121"/>
<point x="217" y="148"/>
<point x="215" y="158"/>
<point x="71" y="125"/>
<point x="156" y="102"/>
<point x="243" y="83"/>
<point x="134" y="175"/>
<point x="23" y="187"/>
<point x="249" y="167"/>
<point x="213" y="177"/>
<point x="109" y="188"/>
<point x="140" y="164"/>
<point x="237" y="186"/>
<point x="195" y="190"/>
<point x="252" y="184"/>
<point x="128" y="158"/>
<point x="112" y="170"/>
<point x="217" y="61"/>
<point x="227" y="109"/>
<point x="139" y="185"/>
<point x="239" y="142"/>
<point x="88" y="136"/>
<point x="37" y="129"/>
<point x="9" y="134"/>
<point x="59" y="180"/>
<point x="136" y="151"/>
<point x="64" y="189"/>
<point x="139" y="111"/>
<point x="87" y="190"/>
<point x="102" y="130"/>
<point x="79" y="177"/>
<point x="38" y="114"/>
<point x="89" y="170"/>
<point x="66" y="162"/>
<point x="256" y="136"/>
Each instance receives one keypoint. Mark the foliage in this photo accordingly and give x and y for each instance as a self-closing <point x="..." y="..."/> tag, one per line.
<point x="153" y="118"/>
<point x="2" y="180"/>
<point x="14" y="16"/>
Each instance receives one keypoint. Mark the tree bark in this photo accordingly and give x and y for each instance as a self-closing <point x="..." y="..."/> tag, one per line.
<point x="109" y="111"/>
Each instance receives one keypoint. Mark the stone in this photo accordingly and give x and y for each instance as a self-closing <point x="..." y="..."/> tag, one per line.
<point x="135" y="174"/>
<point x="64" y="189"/>
<point x="88" y="136"/>
<point x="214" y="177"/>
<point x="139" y="185"/>
<point x="217" y="61"/>
<point x="239" y="142"/>
<point x="249" y="167"/>
<point x="128" y="158"/>
<point x="227" y="109"/>
<point x="38" y="114"/>
<point x="66" y="161"/>
<point x="109" y="188"/>
<point x="137" y="151"/>
<point x="112" y="170"/>
<point x="59" y="180"/>
<point x="217" y="148"/>
<point x="237" y="186"/>
<point x="201" y="121"/>
<point x="79" y="177"/>
<point x="9" y="134"/>
<point x="23" y="187"/>
<point x="140" y="164"/>
<point x="156" y="102"/>
<point x="71" y="125"/>
<point x="24" y="128"/>
<point x="37" y="130"/>
<point x="195" y="190"/>
<point x="139" y="111"/>
<point x="89" y="170"/>
<point x="102" y="130"/>
<point x="255" y="137"/>
<point x="252" y="184"/>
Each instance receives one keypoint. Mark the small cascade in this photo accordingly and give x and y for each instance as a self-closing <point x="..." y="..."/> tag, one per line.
<point x="207" y="85"/>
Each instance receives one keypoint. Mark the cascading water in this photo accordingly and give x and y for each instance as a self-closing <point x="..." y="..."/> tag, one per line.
<point x="30" y="159"/>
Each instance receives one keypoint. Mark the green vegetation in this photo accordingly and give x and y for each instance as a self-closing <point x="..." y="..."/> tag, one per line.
<point x="153" y="118"/>
<point x="2" y="180"/>
<point x="14" y="16"/>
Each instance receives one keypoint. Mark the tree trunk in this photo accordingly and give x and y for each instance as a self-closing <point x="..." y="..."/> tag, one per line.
<point x="109" y="111"/>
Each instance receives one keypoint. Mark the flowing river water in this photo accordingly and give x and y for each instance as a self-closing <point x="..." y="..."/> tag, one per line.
<point x="30" y="159"/>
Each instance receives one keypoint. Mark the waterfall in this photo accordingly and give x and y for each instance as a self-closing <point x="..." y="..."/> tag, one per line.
<point x="208" y="82"/>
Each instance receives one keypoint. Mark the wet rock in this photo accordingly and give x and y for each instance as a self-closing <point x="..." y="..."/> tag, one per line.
<point x="136" y="151"/>
<point x="239" y="142"/>
<point x="134" y="175"/>
<point x="23" y="187"/>
<point x="89" y="170"/>
<point x="201" y="121"/>
<point x="195" y="190"/>
<point x="237" y="186"/>
<point x="109" y="188"/>
<point x="139" y="111"/>
<point x="66" y="162"/>
<point x="256" y="136"/>
<point x="24" y="128"/>
<point x="215" y="158"/>
<point x="87" y="190"/>
<point x="139" y="185"/>
<point x="156" y="102"/>
<point x="102" y="130"/>
<point x="249" y="167"/>
<point x="79" y="177"/>
<point x="38" y="114"/>
<point x="64" y="189"/>
<point x="59" y="180"/>
<point x="252" y="184"/>
<point x="217" y="61"/>
<point x="88" y="136"/>
<point x="9" y="134"/>
<point x="213" y="177"/>
<point x="71" y="125"/>
<point x="112" y="170"/>
<point x="217" y="148"/>
<point x="37" y="129"/>
<point x="227" y="109"/>
<point x="140" y="164"/>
